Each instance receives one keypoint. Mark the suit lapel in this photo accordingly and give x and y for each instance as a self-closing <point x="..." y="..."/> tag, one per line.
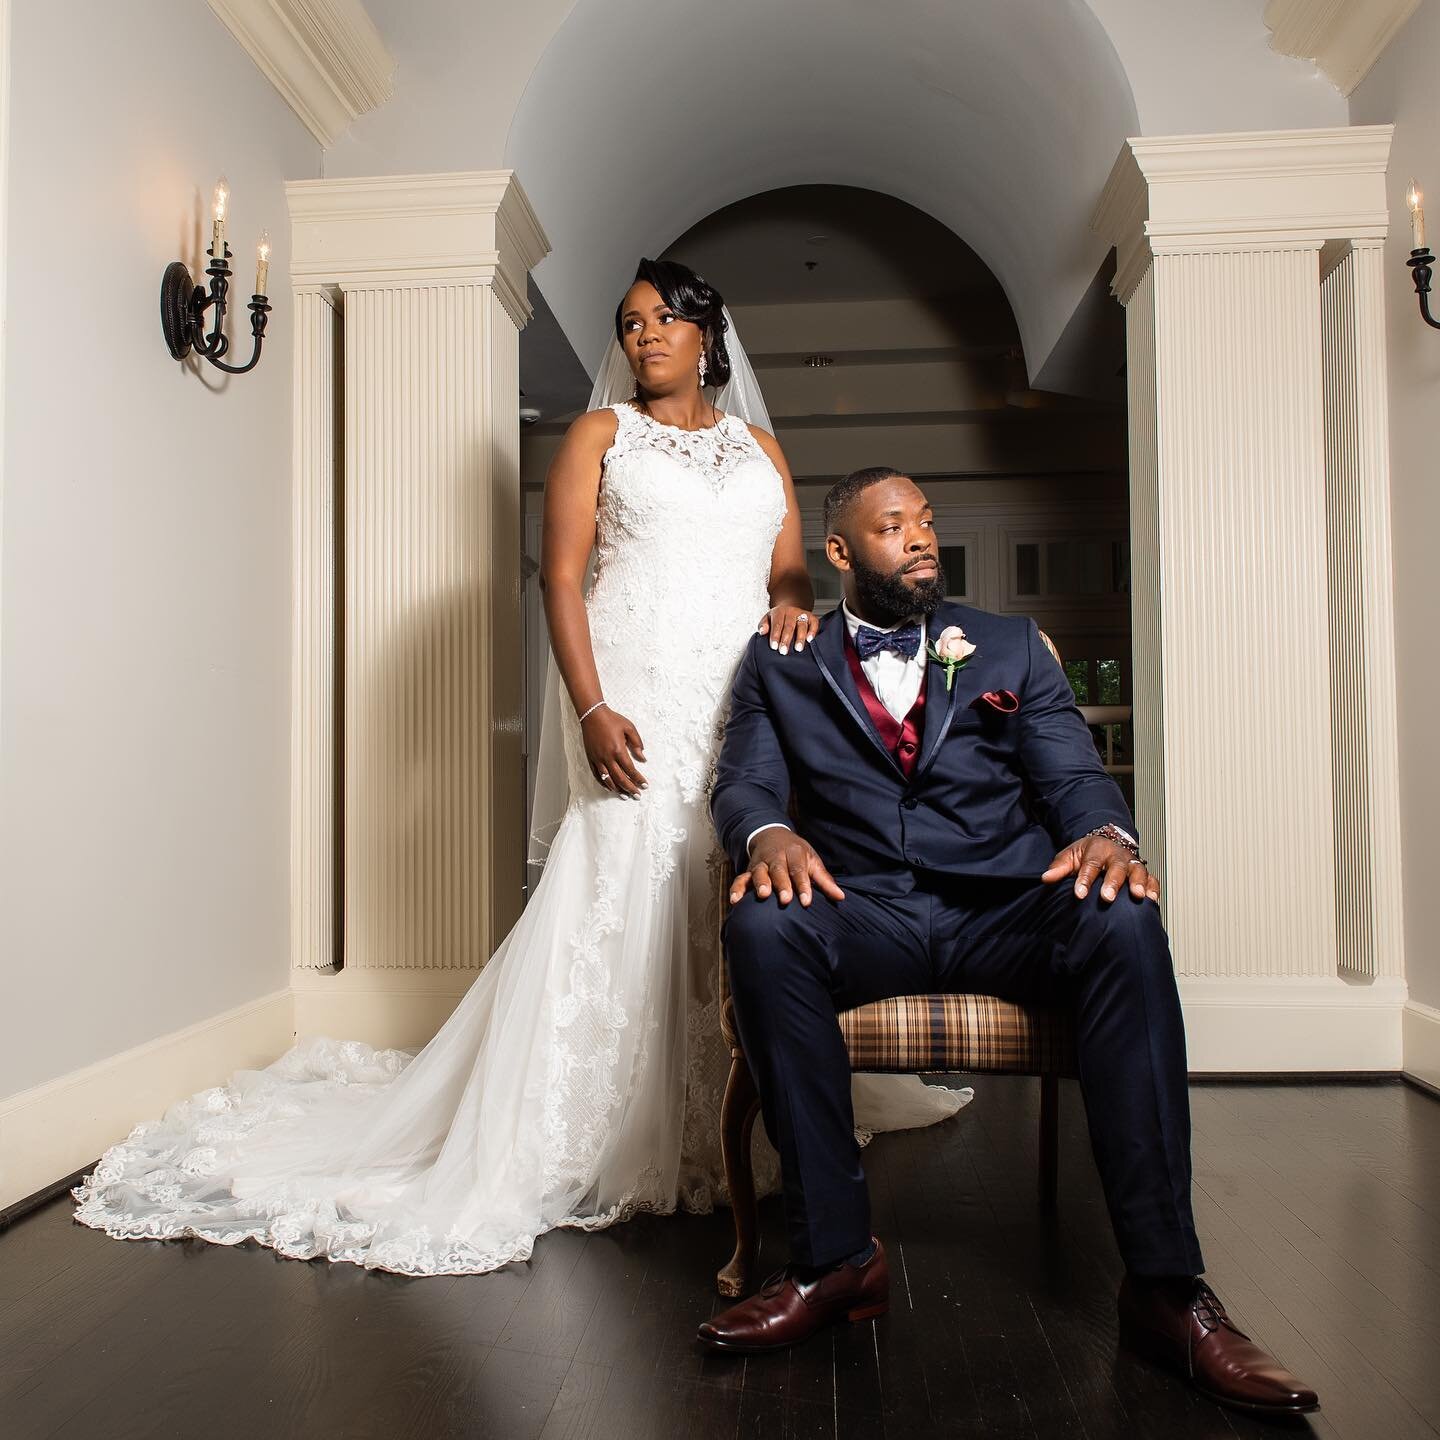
<point x="828" y="648"/>
<point x="940" y="707"/>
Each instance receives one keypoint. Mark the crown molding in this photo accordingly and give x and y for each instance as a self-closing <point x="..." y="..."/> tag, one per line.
<point x="1343" y="37"/>
<point x="473" y="227"/>
<point x="325" y="57"/>
<point x="1266" y="189"/>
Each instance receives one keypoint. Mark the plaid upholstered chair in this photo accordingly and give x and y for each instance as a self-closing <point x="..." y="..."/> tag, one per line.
<point x="950" y="1034"/>
<point x="974" y="1034"/>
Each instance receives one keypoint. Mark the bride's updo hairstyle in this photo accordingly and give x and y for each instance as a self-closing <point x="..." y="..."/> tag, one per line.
<point x="692" y="299"/>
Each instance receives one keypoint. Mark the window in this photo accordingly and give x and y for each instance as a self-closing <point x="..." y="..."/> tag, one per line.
<point x="1103" y="681"/>
<point x="952" y="562"/>
<point x="1072" y="565"/>
<point x="1095" y="682"/>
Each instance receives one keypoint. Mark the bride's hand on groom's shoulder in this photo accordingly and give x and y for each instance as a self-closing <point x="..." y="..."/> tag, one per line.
<point x="612" y="746"/>
<point x="788" y="625"/>
<point x="1092" y="856"/>
<point x="783" y="864"/>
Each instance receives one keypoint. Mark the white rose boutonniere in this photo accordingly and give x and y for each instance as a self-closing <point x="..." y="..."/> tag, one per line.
<point x="952" y="650"/>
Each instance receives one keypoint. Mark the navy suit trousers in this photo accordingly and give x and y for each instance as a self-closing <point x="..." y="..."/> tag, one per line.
<point x="793" y="969"/>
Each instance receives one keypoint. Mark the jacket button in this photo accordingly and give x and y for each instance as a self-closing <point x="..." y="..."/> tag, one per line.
<point x="909" y="803"/>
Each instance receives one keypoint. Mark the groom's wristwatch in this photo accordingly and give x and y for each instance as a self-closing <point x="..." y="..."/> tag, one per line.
<point x="1123" y="838"/>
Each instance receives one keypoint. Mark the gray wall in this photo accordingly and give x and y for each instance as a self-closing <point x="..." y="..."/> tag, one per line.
<point x="1402" y="89"/>
<point x="145" y="549"/>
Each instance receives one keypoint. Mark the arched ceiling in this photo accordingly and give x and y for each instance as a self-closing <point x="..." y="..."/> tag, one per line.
<point x="628" y="121"/>
<point x="1206" y="68"/>
<point x="1000" y="118"/>
<point x="878" y="336"/>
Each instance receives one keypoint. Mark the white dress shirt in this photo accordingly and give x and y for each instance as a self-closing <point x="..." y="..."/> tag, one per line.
<point x="895" y="679"/>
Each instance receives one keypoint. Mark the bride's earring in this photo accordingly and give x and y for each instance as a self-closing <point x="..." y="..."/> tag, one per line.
<point x="702" y="367"/>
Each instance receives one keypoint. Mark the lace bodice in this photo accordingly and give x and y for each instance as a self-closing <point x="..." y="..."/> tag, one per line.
<point x="713" y="451"/>
<point x="686" y="528"/>
<point x="686" y="518"/>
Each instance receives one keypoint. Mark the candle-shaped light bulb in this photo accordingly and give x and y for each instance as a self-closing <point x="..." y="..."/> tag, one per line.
<point x="219" y="206"/>
<point x="1416" y="201"/>
<point x="262" y="262"/>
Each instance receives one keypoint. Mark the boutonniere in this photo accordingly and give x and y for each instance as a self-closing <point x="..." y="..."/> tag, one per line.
<point x="952" y="650"/>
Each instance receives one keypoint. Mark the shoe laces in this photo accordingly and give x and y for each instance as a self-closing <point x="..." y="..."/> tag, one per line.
<point x="772" y="1284"/>
<point x="1210" y="1312"/>
<point x="804" y="1278"/>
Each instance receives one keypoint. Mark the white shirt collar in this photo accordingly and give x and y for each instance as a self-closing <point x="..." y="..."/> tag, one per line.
<point x="853" y="622"/>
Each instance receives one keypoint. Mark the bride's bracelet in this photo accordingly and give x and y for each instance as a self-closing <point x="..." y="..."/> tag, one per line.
<point x="593" y="709"/>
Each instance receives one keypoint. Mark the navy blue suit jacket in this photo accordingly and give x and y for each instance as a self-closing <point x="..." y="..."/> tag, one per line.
<point x="992" y="794"/>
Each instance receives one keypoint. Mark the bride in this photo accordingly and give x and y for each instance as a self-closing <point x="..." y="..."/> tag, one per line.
<point x="579" y="1079"/>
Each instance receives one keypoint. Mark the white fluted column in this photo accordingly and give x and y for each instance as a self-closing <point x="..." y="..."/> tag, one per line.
<point x="1362" y="622"/>
<point x="1145" y="627"/>
<point x="314" y="753"/>
<point x="431" y="274"/>
<point x="1249" y="553"/>
<point x="1244" y="700"/>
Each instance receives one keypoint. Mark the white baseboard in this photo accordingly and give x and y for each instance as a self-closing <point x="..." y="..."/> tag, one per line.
<point x="1232" y="1025"/>
<point x="52" y="1130"/>
<point x="1422" y="1042"/>
<point x="384" y="1008"/>
<point x="1239" y="1025"/>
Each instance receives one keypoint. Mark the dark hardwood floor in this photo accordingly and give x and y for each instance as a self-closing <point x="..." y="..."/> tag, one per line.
<point x="1318" y="1206"/>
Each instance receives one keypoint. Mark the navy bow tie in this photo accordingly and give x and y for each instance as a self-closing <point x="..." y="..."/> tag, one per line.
<point x="905" y="641"/>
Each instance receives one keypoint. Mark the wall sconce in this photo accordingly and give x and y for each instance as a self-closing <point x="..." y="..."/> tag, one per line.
<point x="183" y="303"/>
<point x="1421" y="261"/>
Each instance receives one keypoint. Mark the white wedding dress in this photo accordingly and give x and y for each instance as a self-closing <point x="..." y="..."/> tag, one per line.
<point x="579" y="1079"/>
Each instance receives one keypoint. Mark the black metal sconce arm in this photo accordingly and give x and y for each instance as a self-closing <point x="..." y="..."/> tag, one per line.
<point x="1421" y="263"/>
<point x="182" y="315"/>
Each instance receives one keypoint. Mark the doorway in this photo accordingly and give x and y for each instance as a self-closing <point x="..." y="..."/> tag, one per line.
<point x="880" y="338"/>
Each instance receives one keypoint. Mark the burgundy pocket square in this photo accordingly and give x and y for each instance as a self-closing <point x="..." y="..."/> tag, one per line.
<point x="1007" y="702"/>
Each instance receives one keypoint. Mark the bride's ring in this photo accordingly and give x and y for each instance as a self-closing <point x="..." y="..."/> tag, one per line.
<point x="803" y="620"/>
<point x="604" y="777"/>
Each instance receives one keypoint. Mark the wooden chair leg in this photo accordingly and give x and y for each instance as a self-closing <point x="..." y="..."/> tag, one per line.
<point x="737" y="1122"/>
<point x="1049" y="1141"/>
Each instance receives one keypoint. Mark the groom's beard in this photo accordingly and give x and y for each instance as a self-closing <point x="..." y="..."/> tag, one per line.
<point x="888" y="597"/>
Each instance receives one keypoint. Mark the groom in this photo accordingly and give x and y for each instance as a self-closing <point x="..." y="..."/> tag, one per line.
<point x="937" y="763"/>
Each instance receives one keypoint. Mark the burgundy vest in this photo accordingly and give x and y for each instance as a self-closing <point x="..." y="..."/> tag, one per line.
<point x="900" y="737"/>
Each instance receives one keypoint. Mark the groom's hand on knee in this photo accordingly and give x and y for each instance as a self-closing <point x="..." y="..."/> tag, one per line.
<point x="783" y="864"/>
<point x="1092" y="857"/>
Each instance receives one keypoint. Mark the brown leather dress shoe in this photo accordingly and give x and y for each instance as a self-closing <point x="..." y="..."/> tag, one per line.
<point x="787" y="1309"/>
<point x="1197" y="1338"/>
